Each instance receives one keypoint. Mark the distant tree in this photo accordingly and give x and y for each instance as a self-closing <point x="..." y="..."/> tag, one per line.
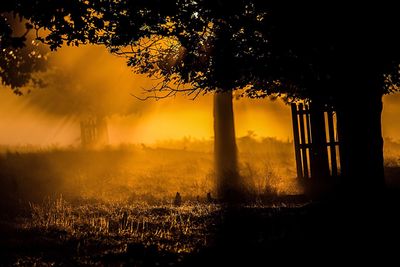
<point x="326" y="53"/>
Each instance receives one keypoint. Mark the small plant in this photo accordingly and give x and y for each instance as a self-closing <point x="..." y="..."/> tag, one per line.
<point x="263" y="182"/>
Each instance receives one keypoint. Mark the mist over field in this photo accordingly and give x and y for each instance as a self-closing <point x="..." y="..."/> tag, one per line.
<point x="135" y="172"/>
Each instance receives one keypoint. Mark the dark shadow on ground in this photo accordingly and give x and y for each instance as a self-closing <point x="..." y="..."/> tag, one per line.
<point x="325" y="232"/>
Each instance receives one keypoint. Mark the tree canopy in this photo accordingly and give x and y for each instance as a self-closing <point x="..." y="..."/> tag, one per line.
<point x="301" y="50"/>
<point x="20" y="56"/>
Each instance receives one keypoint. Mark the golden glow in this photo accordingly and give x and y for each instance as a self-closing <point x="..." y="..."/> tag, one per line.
<point x="99" y="80"/>
<point x="391" y="116"/>
<point x="96" y="81"/>
<point x="105" y="81"/>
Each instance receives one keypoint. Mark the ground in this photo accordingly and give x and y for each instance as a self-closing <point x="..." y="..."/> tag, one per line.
<point x="115" y="208"/>
<point x="59" y="233"/>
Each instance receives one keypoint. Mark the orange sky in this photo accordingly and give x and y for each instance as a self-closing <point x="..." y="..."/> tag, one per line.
<point x="102" y="81"/>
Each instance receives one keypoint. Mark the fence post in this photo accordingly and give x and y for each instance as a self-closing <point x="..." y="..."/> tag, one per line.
<point x="332" y="142"/>
<point x="303" y="144"/>
<point x="296" y="141"/>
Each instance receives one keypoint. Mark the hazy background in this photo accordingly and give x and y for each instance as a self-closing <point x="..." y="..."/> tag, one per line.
<point x="88" y="79"/>
<point x="155" y="147"/>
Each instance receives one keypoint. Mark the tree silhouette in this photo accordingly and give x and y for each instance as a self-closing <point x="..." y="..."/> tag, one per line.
<point x="19" y="59"/>
<point x="327" y="53"/>
<point x="347" y="57"/>
<point x="229" y="182"/>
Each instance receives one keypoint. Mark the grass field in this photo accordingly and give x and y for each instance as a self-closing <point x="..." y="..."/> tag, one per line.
<point x="58" y="232"/>
<point x="114" y="207"/>
<point x="139" y="172"/>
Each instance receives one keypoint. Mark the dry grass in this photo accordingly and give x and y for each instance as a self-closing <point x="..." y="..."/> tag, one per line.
<point x="174" y="229"/>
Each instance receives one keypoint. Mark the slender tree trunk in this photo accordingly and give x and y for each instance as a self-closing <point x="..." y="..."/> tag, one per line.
<point x="225" y="151"/>
<point x="361" y="143"/>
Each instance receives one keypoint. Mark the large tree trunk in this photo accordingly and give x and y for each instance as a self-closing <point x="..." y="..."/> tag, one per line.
<point x="319" y="164"/>
<point x="319" y="154"/>
<point x="361" y="143"/>
<point x="225" y="152"/>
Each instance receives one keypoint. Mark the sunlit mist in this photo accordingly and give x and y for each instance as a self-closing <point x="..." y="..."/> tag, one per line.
<point x="90" y="80"/>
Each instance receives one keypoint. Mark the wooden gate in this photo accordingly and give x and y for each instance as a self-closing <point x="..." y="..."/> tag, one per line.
<point x="315" y="141"/>
<point x="94" y="132"/>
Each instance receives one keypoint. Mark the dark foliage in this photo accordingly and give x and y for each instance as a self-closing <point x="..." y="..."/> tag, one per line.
<point x="302" y="50"/>
<point x="20" y="56"/>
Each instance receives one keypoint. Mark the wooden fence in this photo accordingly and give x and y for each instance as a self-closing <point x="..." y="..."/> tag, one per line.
<point x="307" y="153"/>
